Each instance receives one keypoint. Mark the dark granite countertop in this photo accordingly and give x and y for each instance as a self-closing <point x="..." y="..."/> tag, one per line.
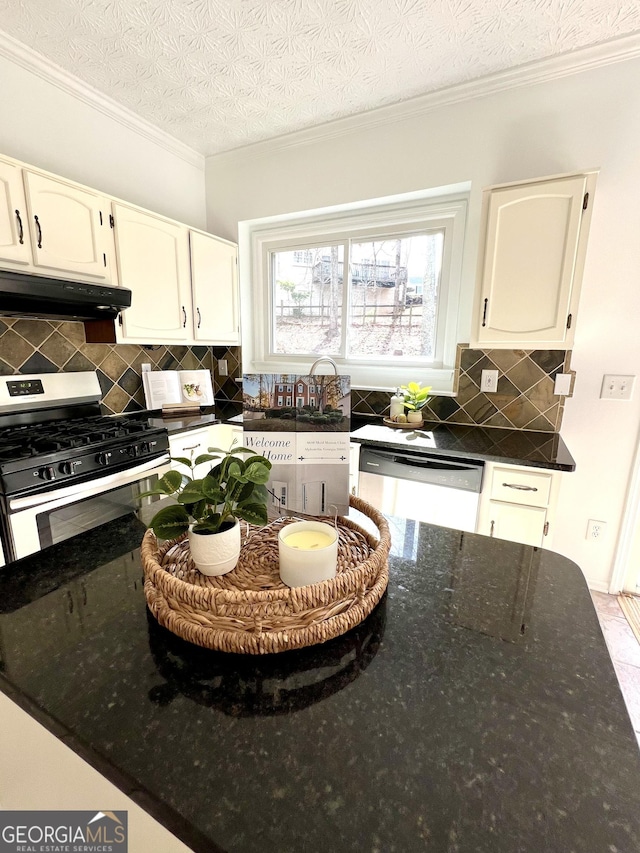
<point x="510" y="446"/>
<point x="476" y="710"/>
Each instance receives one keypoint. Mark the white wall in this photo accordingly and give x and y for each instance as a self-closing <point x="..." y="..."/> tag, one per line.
<point x="50" y="128"/>
<point x="577" y="122"/>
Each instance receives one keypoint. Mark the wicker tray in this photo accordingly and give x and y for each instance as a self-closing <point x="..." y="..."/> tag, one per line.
<point x="249" y="610"/>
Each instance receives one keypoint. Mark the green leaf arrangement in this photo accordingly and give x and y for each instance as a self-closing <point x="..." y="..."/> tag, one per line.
<point x="415" y="396"/>
<point x="233" y="489"/>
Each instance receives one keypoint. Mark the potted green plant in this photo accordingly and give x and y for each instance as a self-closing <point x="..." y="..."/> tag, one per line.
<point x="415" y="398"/>
<point x="210" y="509"/>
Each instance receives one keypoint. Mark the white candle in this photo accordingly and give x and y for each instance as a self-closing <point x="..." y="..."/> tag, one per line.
<point x="308" y="552"/>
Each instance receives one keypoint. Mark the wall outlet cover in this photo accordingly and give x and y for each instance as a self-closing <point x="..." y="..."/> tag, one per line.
<point x="489" y="381"/>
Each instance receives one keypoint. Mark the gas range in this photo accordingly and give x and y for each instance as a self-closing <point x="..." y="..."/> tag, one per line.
<point x="64" y="465"/>
<point x="72" y="449"/>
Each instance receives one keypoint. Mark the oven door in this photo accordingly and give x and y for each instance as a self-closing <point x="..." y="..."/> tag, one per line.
<point x="36" y="521"/>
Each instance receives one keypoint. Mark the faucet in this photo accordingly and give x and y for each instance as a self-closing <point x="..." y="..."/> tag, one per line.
<point x="324" y="358"/>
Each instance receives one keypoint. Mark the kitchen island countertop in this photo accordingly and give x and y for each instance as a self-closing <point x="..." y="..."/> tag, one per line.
<point x="476" y="710"/>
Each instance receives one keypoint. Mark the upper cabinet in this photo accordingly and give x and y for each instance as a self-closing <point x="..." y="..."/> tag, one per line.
<point x="532" y="250"/>
<point x="214" y="278"/>
<point x="153" y="262"/>
<point x="69" y="228"/>
<point x="14" y="248"/>
<point x="53" y="228"/>
<point x="184" y="283"/>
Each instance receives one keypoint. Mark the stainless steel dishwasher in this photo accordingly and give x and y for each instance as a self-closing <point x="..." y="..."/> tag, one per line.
<point x="422" y="486"/>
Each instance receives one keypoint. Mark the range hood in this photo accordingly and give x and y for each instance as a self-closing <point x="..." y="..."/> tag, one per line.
<point x="24" y="295"/>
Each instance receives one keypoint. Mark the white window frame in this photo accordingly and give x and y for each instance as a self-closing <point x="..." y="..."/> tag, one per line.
<point x="290" y="232"/>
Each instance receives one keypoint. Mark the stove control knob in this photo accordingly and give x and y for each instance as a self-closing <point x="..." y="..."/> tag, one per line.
<point x="47" y="473"/>
<point x="144" y="447"/>
<point x="103" y="458"/>
<point x="68" y="467"/>
<point x="133" y="451"/>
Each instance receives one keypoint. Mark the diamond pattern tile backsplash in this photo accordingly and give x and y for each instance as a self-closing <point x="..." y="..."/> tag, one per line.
<point x="44" y="346"/>
<point x="524" y="399"/>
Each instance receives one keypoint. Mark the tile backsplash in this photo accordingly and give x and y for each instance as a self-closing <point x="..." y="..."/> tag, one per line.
<point x="50" y="346"/>
<point x="524" y="399"/>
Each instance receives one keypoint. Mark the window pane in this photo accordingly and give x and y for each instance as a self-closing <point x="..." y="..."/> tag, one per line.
<point x="394" y="296"/>
<point x="307" y="300"/>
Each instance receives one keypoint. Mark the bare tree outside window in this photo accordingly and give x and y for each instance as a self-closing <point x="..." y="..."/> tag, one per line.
<point x="392" y="286"/>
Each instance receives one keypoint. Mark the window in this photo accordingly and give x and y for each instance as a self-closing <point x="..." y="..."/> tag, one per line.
<point x="377" y="290"/>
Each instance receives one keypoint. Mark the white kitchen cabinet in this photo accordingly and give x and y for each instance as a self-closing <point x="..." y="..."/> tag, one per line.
<point x="15" y="247"/>
<point x="195" y="442"/>
<point x="532" y="251"/>
<point x="42" y="772"/>
<point x="354" y="467"/>
<point x="69" y="228"/>
<point x="153" y="262"/>
<point x="190" y="445"/>
<point x="518" y="503"/>
<point x="214" y="282"/>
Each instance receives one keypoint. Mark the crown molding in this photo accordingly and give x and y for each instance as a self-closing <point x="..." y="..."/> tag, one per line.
<point x="530" y="74"/>
<point x="37" y="64"/>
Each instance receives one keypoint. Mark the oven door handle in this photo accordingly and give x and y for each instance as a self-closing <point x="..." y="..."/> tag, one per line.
<point x="91" y="487"/>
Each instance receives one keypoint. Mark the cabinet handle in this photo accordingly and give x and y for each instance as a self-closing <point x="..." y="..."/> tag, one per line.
<point x="39" y="232"/>
<point x="21" y="234"/>
<point x="199" y="317"/>
<point x="545" y="529"/>
<point x="193" y="447"/>
<point x="519" y="487"/>
<point x="493" y="525"/>
<point x="484" y="313"/>
<point x="184" y="314"/>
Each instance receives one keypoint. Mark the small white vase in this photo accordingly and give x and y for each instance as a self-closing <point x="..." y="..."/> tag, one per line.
<point x="414" y="417"/>
<point x="215" y="553"/>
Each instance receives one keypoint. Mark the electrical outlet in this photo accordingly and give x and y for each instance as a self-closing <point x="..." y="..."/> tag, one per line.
<point x="489" y="381"/>
<point x="596" y="530"/>
<point x="616" y="387"/>
<point x="222" y="367"/>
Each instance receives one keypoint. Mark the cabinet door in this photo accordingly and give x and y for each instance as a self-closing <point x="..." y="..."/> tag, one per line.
<point x="517" y="523"/>
<point x="68" y="226"/>
<point x="530" y="259"/>
<point x="153" y="261"/>
<point x="14" y="235"/>
<point x="214" y="275"/>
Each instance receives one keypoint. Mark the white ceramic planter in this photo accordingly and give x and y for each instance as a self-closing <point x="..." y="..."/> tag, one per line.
<point x="414" y="417"/>
<point x="299" y="566"/>
<point x="215" y="553"/>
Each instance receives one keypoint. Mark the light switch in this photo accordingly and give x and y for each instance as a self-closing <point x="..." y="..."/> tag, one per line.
<point x="616" y="387"/>
<point x="222" y="367"/>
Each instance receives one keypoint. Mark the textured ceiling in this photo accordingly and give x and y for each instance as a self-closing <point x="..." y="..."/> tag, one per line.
<point x="219" y="74"/>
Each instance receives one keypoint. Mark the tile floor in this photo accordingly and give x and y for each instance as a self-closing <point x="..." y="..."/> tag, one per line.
<point x="624" y="649"/>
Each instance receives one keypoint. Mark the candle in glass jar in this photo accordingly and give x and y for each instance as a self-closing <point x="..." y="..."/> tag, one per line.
<point x="308" y="540"/>
<point x="308" y="552"/>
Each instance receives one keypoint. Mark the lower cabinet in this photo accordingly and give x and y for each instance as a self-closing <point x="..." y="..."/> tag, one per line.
<point x="354" y="467"/>
<point x="193" y="443"/>
<point x="517" y="503"/>
<point x="41" y="772"/>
